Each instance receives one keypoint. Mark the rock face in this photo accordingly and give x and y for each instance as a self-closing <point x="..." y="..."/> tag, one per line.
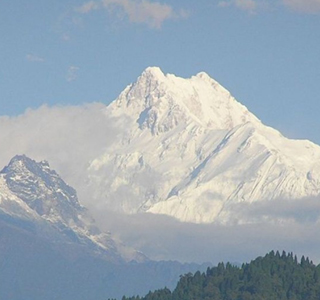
<point x="188" y="149"/>
<point x="32" y="192"/>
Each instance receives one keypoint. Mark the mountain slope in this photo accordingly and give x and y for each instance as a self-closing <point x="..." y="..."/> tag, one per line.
<point x="51" y="249"/>
<point x="33" y="267"/>
<point x="32" y="192"/>
<point x="188" y="149"/>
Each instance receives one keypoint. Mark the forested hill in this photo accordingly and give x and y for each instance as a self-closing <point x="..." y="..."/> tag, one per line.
<point x="273" y="277"/>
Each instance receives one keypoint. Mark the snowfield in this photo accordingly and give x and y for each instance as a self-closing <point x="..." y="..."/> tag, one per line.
<point x="186" y="148"/>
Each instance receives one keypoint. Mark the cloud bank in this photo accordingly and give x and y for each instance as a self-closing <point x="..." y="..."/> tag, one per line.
<point x="161" y="237"/>
<point x="71" y="137"/>
<point x="146" y="12"/>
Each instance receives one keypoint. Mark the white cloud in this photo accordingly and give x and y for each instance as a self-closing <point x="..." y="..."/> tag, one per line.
<point x="34" y="58"/>
<point x="72" y="73"/>
<point x="302" y="211"/>
<point x="67" y="136"/>
<point x="137" y="11"/>
<point x="71" y="137"/>
<point x="164" y="238"/>
<point x="304" y="6"/>
<point x="290" y="225"/>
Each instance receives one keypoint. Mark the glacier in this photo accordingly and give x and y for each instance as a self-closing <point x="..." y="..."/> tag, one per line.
<point x="187" y="148"/>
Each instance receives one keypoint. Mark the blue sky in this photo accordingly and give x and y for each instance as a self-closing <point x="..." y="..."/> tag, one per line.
<point x="266" y="53"/>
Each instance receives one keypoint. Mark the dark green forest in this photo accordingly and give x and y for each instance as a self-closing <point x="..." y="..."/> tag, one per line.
<point x="272" y="277"/>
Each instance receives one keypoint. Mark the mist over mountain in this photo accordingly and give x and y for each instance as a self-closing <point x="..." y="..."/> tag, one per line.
<point x="170" y="149"/>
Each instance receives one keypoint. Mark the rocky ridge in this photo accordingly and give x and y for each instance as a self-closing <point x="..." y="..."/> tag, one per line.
<point x="32" y="192"/>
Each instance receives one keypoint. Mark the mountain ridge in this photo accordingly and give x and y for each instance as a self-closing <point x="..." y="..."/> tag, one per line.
<point x="50" y="247"/>
<point x="40" y="195"/>
<point x="153" y="88"/>
<point x="188" y="149"/>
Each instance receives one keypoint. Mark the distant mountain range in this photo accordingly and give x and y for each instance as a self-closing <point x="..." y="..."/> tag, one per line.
<point x="50" y="247"/>
<point x="186" y="148"/>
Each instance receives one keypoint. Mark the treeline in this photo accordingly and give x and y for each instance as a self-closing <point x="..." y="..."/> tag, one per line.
<point x="273" y="277"/>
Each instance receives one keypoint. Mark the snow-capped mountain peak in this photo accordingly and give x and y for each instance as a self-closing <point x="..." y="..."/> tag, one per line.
<point x="154" y="73"/>
<point x="187" y="148"/>
<point x="161" y="102"/>
<point x="31" y="191"/>
<point x="42" y="189"/>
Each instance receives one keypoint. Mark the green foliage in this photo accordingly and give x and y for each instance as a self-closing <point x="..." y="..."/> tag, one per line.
<point x="275" y="276"/>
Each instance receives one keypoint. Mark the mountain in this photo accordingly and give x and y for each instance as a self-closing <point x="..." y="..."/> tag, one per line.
<point x="35" y="268"/>
<point x="186" y="148"/>
<point x="50" y="247"/>
<point x="32" y="192"/>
